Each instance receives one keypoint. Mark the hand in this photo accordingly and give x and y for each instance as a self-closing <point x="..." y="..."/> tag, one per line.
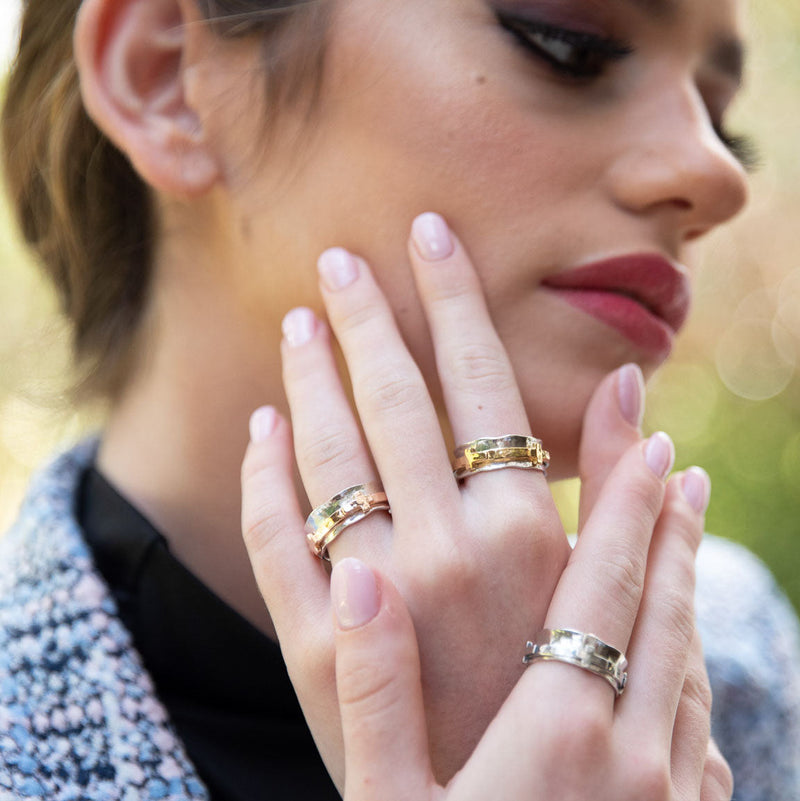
<point x="476" y="563"/>
<point x="561" y="733"/>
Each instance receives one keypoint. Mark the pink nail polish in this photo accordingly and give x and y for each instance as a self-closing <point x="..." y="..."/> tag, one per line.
<point x="338" y="269"/>
<point x="299" y="326"/>
<point x="431" y="237"/>
<point x="659" y="453"/>
<point x="262" y="423"/>
<point x="354" y="593"/>
<point x="696" y="486"/>
<point x="630" y="393"/>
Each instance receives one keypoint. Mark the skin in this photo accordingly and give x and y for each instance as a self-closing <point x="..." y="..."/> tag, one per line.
<point x="493" y="140"/>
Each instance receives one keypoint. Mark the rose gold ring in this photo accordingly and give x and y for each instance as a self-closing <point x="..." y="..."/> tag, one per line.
<point x="495" y="453"/>
<point x="349" y="506"/>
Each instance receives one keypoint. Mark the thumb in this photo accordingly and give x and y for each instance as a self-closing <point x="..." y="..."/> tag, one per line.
<point x="611" y="424"/>
<point x="380" y="695"/>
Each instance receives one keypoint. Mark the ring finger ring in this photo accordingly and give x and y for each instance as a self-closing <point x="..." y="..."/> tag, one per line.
<point x="349" y="506"/>
<point x="495" y="453"/>
<point x="582" y="650"/>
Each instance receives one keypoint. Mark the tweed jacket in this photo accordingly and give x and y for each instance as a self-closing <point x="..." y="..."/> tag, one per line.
<point x="80" y="718"/>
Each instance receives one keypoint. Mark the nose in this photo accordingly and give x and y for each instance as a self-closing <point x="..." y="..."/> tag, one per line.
<point x="671" y="164"/>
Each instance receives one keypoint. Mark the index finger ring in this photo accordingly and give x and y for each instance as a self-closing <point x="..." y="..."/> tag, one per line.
<point x="349" y="506"/>
<point x="582" y="650"/>
<point x="495" y="453"/>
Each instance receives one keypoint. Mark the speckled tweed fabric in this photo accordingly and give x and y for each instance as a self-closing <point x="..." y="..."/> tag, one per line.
<point x="79" y="718"/>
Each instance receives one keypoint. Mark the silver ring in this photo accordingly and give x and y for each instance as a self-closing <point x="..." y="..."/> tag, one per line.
<point x="349" y="506"/>
<point x="582" y="650"/>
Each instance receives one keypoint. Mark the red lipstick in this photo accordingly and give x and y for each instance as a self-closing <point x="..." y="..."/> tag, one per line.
<point x="643" y="296"/>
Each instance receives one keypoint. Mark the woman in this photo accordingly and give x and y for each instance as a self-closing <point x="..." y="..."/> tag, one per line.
<point x="576" y="149"/>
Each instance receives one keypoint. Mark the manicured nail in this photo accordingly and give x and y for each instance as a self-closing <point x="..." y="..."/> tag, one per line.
<point x="338" y="268"/>
<point x="630" y="393"/>
<point x="431" y="237"/>
<point x="262" y="423"/>
<point x="659" y="453"/>
<point x="299" y="326"/>
<point x="354" y="593"/>
<point x="696" y="486"/>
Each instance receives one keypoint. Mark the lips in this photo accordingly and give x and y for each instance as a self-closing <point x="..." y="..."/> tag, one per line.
<point x="643" y="296"/>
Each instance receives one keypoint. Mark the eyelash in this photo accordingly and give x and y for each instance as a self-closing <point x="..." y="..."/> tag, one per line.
<point x="590" y="55"/>
<point x="594" y="53"/>
<point x="744" y="148"/>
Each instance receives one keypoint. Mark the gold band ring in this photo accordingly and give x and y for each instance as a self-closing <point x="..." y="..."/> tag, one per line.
<point x="495" y="453"/>
<point x="349" y="506"/>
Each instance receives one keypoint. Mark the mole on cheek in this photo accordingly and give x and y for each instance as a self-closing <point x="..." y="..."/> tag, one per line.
<point x="479" y="78"/>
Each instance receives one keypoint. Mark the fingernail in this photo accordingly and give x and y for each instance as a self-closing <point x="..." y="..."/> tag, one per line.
<point x="630" y="393"/>
<point x="431" y="237"/>
<point x="354" y="593"/>
<point x="262" y="423"/>
<point x="696" y="486"/>
<point x="338" y="268"/>
<point x="299" y="326"/>
<point x="659" y="453"/>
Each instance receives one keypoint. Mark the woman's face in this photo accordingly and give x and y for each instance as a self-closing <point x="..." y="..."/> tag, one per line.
<point x="573" y="146"/>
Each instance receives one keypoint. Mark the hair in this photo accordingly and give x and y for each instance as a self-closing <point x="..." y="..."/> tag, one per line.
<point x="82" y="208"/>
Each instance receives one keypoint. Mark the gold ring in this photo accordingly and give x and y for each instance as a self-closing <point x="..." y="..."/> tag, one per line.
<point x="349" y="506"/>
<point x="495" y="453"/>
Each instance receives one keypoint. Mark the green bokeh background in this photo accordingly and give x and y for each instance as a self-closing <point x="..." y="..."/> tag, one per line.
<point x="730" y="397"/>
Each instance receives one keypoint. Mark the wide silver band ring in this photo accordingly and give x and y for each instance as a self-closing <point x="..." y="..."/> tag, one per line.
<point x="349" y="506"/>
<point x="496" y="453"/>
<point x="582" y="650"/>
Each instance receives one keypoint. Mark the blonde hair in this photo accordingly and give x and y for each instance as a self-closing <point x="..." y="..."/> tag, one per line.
<point x="82" y="208"/>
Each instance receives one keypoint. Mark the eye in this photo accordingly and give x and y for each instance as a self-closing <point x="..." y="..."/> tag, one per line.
<point x="744" y="148"/>
<point x="571" y="53"/>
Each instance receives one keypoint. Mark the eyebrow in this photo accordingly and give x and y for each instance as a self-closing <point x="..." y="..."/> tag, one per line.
<point x="728" y="54"/>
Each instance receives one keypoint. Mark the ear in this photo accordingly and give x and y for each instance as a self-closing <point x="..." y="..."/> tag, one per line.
<point x="133" y="58"/>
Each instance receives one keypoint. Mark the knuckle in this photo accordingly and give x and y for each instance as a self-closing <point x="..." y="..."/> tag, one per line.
<point x="261" y="523"/>
<point x="481" y="365"/>
<point x="697" y="693"/>
<point x="677" y="609"/>
<point x="371" y="695"/>
<point x="717" y="777"/>
<point x="585" y="737"/>
<point x="651" y="779"/>
<point x="622" y="575"/>
<point x="390" y="390"/>
<point x="327" y="448"/>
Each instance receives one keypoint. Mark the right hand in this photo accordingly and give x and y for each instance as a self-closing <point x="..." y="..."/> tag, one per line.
<point x="477" y="563"/>
<point x="561" y="733"/>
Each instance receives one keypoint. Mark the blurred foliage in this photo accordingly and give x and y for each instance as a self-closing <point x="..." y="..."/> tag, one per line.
<point x="730" y="397"/>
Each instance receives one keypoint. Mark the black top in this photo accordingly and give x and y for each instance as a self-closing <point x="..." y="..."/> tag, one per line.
<point x="223" y="682"/>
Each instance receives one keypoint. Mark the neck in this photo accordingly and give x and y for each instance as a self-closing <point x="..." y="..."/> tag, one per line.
<point x="175" y="441"/>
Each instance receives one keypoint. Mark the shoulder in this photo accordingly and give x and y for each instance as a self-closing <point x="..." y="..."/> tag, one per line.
<point x="751" y="641"/>
<point x="78" y="712"/>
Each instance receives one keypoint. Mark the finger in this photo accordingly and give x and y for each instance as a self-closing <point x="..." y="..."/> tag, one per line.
<point x="292" y="582"/>
<point x="665" y="629"/>
<point x="610" y="426"/>
<point x="717" y="777"/>
<point x="330" y="452"/>
<point x="479" y="386"/>
<point x="600" y="589"/>
<point x="692" y="728"/>
<point x="378" y="683"/>
<point x="329" y="448"/>
<point x="396" y="411"/>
